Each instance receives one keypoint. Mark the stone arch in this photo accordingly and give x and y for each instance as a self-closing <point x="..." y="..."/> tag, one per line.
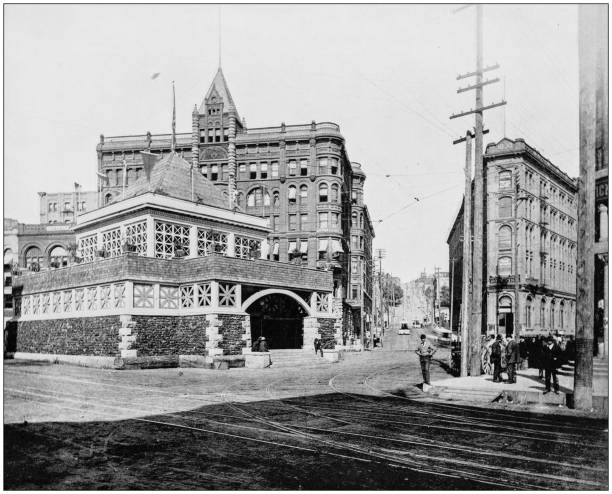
<point x="276" y="291"/>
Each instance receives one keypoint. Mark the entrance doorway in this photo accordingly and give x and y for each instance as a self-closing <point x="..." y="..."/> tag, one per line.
<point x="505" y="316"/>
<point x="279" y="319"/>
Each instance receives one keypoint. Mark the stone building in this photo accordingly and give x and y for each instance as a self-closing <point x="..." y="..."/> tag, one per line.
<point x="455" y="267"/>
<point x="171" y="274"/>
<point x="298" y="177"/>
<point x="63" y="207"/>
<point x="530" y="233"/>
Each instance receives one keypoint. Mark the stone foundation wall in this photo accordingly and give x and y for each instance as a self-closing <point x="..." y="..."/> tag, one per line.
<point x="98" y="336"/>
<point x="233" y="333"/>
<point x="169" y="335"/>
<point x="327" y="330"/>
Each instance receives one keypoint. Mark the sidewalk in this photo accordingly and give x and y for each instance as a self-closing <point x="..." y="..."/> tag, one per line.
<point x="528" y="390"/>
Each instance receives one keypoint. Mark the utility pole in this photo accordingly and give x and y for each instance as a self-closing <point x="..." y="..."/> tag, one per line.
<point x="452" y="284"/>
<point x="517" y="297"/>
<point x="380" y="254"/>
<point x="476" y="320"/>
<point x="593" y="79"/>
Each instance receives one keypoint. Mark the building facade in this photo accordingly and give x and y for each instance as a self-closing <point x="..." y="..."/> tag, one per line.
<point x="530" y="242"/>
<point x="298" y="177"/>
<point x="63" y="207"/>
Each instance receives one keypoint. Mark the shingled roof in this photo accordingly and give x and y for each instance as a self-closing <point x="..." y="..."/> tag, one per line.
<point x="171" y="176"/>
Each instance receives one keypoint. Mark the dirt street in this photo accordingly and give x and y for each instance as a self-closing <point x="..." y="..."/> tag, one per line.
<point x="359" y="424"/>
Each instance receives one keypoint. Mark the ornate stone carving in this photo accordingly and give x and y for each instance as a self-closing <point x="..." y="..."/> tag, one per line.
<point x="213" y="153"/>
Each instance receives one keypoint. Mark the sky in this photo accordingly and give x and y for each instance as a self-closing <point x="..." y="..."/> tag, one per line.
<point x="385" y="73"/>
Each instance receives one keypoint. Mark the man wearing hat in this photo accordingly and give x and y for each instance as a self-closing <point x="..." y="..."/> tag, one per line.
<point x="551" y="359"/>
<point x="425" y="351"/>
<point x="496" y="355"/>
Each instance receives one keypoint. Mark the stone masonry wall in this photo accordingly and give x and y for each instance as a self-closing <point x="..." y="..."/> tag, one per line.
<point x="169" y="335"/>
<point x="232" y="331"/>
<point x="327" y="331"/>
<point x="97" y="336"/>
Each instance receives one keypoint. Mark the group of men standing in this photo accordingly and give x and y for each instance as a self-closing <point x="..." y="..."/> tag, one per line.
<point x="551" y="360"/>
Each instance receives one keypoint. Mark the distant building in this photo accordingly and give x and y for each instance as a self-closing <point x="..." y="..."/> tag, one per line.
<point x="62" y="207"/>
<point x="298" y="177"/>
<point x="441" y="298"/>
<point x="537" y="245"/>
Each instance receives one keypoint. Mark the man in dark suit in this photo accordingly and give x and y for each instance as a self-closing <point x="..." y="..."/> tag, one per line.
<point x="496" y="354"/>
<point x="512" y="357"/>
<point x="551" y="359"/>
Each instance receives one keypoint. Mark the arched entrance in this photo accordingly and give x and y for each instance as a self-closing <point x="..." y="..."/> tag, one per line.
<point x="279" y="318"/>
<point x="505" y="316"/>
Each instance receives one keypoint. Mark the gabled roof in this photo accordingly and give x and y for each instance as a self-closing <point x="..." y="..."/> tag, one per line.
<point x="171" y="176"/>
<point x="219" y="89"/>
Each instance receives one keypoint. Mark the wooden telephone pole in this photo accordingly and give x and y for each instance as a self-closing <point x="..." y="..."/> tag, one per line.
<point x="476" y="321"/>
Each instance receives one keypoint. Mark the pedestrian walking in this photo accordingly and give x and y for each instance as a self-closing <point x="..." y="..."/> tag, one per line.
<point x="425" y="351"/>
<point x="551" y="361"/>
<point x="512" y="358"/>
<point x="318" y="346"/>
<point x="496" y="357"/>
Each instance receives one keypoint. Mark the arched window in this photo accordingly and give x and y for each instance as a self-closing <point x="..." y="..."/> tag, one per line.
<point x="33" y="258"/>
<point x="108" y="198"/>
<point x="360" y="220"/>
<point x="504" y="239"/>
<point x="8" y="256"/>
<point x="292" y="194"/>
<point x="254" y="198"/>
<point x="552" y="314"/>
<point x="58" y="257"/>
<point x="276" y="199"/>
<point x="528" y="309"/>
<point x="266" y="199"/>
<point x="505" y="207"/>
<point x="354" y="219"/>
<point x="505" y="180"/>
<point x="562" y="315"/>
<point x="323" y="190"/>
<point x="504" y="266"/>
<point x="543" y="313"/>
<point x="303" y="194"/>
<point x="335" y="196"/>
<point x="504" y="305"/>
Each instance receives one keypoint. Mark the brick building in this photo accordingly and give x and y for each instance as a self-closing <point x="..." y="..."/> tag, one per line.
<point x="530" y="232"/>
<point x="171" y="272"/>
<point x="298" y="177"/>
<point x="63" y="207"/>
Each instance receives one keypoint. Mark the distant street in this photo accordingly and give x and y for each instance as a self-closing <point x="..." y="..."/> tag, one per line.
<point x="359" y="424"/>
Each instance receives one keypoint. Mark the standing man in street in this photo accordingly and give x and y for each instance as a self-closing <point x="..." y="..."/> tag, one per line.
<point x="551" y="357"/>
<point x="512" y="358"/>
<point x="496" y="354"/>
<point x="425" y="351"/>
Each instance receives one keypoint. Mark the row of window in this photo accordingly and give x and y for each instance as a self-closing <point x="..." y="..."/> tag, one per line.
<point x="81" y="206"/>
<point x="327" y="248"/>
<point x="171" y="240"/>
<point x="34" y="258"/>
<point x="546" y="190"/>
<point x="110" y="296"/>
<point x="113" y="296"/>
<point x="115" y="177"/>
<point x="261" y="197"/>
<point x="555" y="316"/>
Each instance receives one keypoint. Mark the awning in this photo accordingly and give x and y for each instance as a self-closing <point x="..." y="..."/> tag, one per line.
<point x="304" y="246"/>
<point x="276" y="247"/>
<point x="336" y="246"/>
<point x="323" y="245"/>
<point x="292" y="246"/>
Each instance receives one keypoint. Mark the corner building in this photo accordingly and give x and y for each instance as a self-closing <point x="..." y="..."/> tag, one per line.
<point x="170" y="275"/>
<point x="298" y="177"/>
<point x="530" y="233"/>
